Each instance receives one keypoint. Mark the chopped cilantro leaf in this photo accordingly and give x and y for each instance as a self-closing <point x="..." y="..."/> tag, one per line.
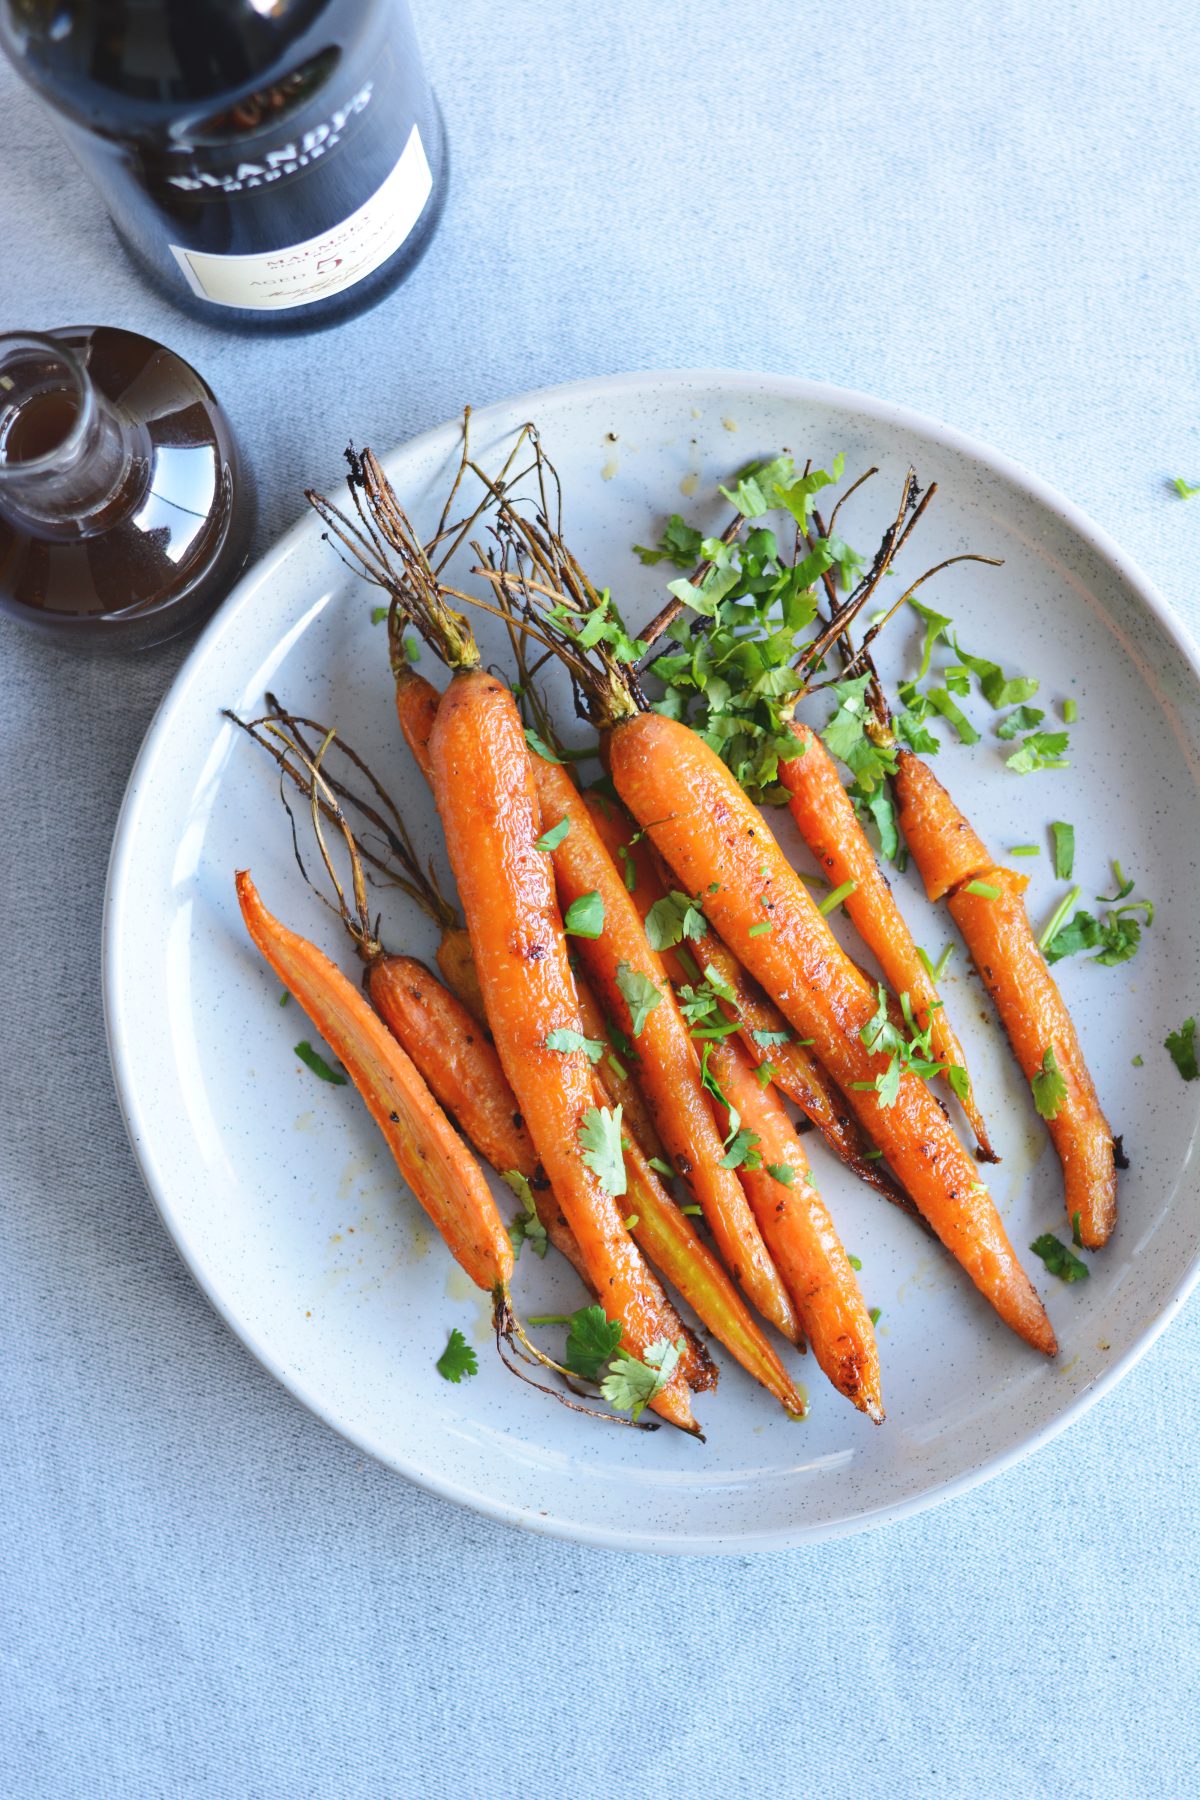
<point x="1070" y="711"/>
<point x="1024" y="718"/>
<point x="1040" y="750"/>
<point x="997" y="688"/>
<point x="984" y="889"/>
<point x="568" y="1041"/>
<point x="763" y="926"/>
<point x="540" y="747"/>
<point x="856" y="1263"/>
<point x="783" y="1173"/>
<point x="585" y="916"/>
<point x="591" y="1340"/>
<point x="941" y="700"/>
<point x="1076" y="1231"/>
<point x="765" y="1038"/>
<point x="1058" y="1259"/>
<point x="935" y="970"/>
<point x="740" y="1152"/>
<point x="630" y="1385"/>
<point x="1182" y="1047"/>
<point x="679" y="544"/>
<point x="661" y="1168"/>
<point x="875" y="1314"/>
<point x="1024" y="850"/>
<point x="312" y="1059"/>
<point x="526" y="1228"/>
<point x="600" y="1142"/>
<point x="1064" y="849"/>
<point x="673" y="918"/>
<point x="379" y="614"/>
<point x="457" y="1359"/>
<point x="848" y="736"/>
<point x="765" y="1075"/>
<point x="1183" y="489"/>
<point x="550" y="840"/>
<point x="1049" y="1087"/>
<point x="640" y="995"/>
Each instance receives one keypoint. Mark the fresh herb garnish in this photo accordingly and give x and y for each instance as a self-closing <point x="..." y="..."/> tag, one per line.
<point x="569" y="1041"/>
<point x="631" y="1385"/>
<point x="832" y="901"/>
<point x="1040" y="750"/>
<point x="998" y="689"/>
<point x="1058" y="1259"/>
<point x="1183" y="488"/>
<point x="457" y="1359"/>
<point x="679" y="544"/>
<point x="600" y="1142"/>
<point x="1025" y="718"/>
<point x="672" y="919"/>
<point x="312" y="1059"/>
<point x="847" y="736"/>
<point x="1182" y="1046"/>
<point x="875" y="1314"/>
<point x="764" y="1039"/>
<point x="1064" y="849"/>
<point x="760" y="929"/>
<point x="1077" y="1230"/>
<point x="540" y="747"/>
<point x="585" y="916"/>
<point x="783" y="1173"/>
<point x="639" y="993"/>
<point x="1049" y="1086"/>
<point x="740" y="1152"/>
<point x="1024" y="850"/>
<point x="935" y="970"/>
<point x="526" y="1228"/>
<point x="591" y="1340"/>
<point x="284" y="997"/>
<point x="913" y="1053"/>
<point x="661" y="1168"/>
<point x="1070" y="711"/>
<point x="550" y="840"/>
<point x="856" y="1263"/>
<point x="984" y="889"/>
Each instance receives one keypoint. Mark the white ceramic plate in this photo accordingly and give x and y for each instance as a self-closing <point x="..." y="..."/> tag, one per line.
<point x="279" y="1193"/>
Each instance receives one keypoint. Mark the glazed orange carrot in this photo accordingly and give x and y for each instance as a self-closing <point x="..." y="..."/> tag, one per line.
<point x="417" y="701"/>
<point x="416" y="704"/>
<point x="802" y="1238"/>
<point x="462" y="1068"/>
<point x="944" y="846"/>
<point x="708" y="831"/>
<point x="429" y="1153"/>
<point x="996" y="930"/>
<point x="829" y="825"/>
<point x="1004" y="949"/>
<point x="464" y="1072"/>
<point x="484" y="790"/>
<point x="794" y="1069"/>
<point x="668" y="1069"/>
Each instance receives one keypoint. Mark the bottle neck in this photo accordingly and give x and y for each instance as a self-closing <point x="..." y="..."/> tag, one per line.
<point x="71" y="465"/>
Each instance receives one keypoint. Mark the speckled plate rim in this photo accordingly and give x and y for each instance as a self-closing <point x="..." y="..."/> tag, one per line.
<point x="119" y="888"/>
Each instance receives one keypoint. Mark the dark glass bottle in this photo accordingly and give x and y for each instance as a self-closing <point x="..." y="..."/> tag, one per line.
<point x="267" y="163"/>
<point x="125" y="511"/>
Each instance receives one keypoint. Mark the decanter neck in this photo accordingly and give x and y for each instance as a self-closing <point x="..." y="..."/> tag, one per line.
<point x="71" y="464"/>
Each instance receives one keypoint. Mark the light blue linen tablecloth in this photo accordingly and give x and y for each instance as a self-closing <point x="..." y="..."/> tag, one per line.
<point x="989" y="212"/>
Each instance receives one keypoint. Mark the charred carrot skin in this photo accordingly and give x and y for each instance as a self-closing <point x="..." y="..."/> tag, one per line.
<point x="668" y="1070"/>
<point x="802" y="1237"/>
<point x="949" y="855"/>
<point x="709" y="831"/>
<point x="826" y="819"/>
<point x="1004" y="950"/>
<point x="484" y="791"/>
<point x="794" y="1069"/>
<point x="430" y="1155"/>
<point x="461" y="1067"/>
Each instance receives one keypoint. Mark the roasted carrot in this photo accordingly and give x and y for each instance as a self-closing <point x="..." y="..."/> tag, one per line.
<point x="430" y="1155"/>
<point x="461" y="1067"/>
<point x="708" y="831"/>
<point x="944" y="846"/>
<point x="667" y="1069"/>
<point x="794" y="1069"/>
<point x="484" y="790"/>
<point x="417" y="701"/>
<point x="995" y="927"/>
<point x="454" y="959"/>
<point x="829" y="825"/>
<point x="619" y="1083"/>
<point x="801" y="1236"/>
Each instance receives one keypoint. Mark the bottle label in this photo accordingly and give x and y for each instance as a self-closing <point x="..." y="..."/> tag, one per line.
<point x="298" y="274"/>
